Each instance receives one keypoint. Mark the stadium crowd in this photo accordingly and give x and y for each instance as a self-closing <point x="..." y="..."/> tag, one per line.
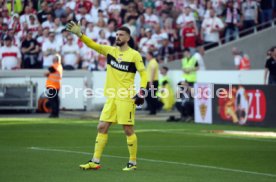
<point x="33" y="31"/>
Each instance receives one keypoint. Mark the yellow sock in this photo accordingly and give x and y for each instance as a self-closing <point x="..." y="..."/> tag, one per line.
<point x="101" y="140"/>
<point x="132" y="147"/>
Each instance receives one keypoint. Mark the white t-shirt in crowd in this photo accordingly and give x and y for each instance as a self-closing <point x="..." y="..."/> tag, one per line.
<point x="24" y="19"/>
<point x="145" y="43"/>
<point x="211" y="23"/>
<point x="182" y="19"/>
<point x="47" y="45"/>
<point x="158" y="38"/>
<point x="151" y="19"/>
<point x="48" y="24"/>
<point x="91" y="34"/>
<point x="249" y="9"/>
<point x="114" y="7"/>
<point x="70" y="54"/>
<point x="71" y="5"/>
<point x="88" y="57"/>
<point x="9" y="57"/>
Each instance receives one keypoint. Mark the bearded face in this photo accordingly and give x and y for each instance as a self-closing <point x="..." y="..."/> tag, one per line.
<point x="121" y="38"/>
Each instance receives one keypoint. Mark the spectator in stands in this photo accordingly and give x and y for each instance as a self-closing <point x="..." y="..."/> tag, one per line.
<point x="72" y="4"/>
<point x="116" y="15"/>
<point x="189" y="36"/>
<point x="89" y="31"/>
<point x="166" y="51"/>
<point x="82" y="13"/>
<point x="110" y="31"/>
<point x="147" y="43"/>
<point x="157" y="35"/>
<point x="232" y="20"/>
<point x="150" y="18"/>
<point x="186" y="16"/>
<point x="114" y="6"/>
<point x="49" y="48"/>
<point x="24" y="17"/>
<point x="43" y="13"/>
<point x="100" y="58"/>
<point x="10" y="56"/>
<point x="58" y="9"/>
<point x="207" y="9"/>
<point x="88" y="58"/>
<point x="211" y="28"/>
<point x="95" y="9"/>
<point x="57" y="28"/>
<point x="130" y="10"/>
<point x="15" y="39"/>
<point x="250" y="13"/>
<point x="266" y="7"/>
<point x="70" y="54"/>
<point x="15" y="23"/>
<point x="218" y="6"/>
<point x="49" y="23"/>
<point x="33" y="25"/>
<point x="242" y="61"/>
<point x="30" y="50"/>
<point x="101" y="25"/>
<point x="172" y="33"/>
<point x="4" y="31"/>
<point x="199" y="57"/>
<point x="131" y="24"/>
<point x="189" y="66"/>
<point x="101" y="15"/>
<point x="87" y="4"/>
<point x="270" y="68"/>
<point x="6" y="17"/>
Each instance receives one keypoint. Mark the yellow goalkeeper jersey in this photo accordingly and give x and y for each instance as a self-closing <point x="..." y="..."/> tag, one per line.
<point x="121" y="69"/>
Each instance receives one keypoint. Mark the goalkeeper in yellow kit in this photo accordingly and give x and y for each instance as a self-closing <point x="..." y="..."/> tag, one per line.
<point x="122" y="64"/>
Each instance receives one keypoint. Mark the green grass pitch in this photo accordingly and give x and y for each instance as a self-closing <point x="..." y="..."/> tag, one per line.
<point x="41" y="150"/>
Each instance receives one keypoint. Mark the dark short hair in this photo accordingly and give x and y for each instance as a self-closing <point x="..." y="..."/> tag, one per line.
<point x="165" y="68"/>
<point x="151" y="53"/>
<point x="130" y="18"/>
<point x="273" y="48"/>
<point x="186" y="50"/>
<point x="125" y="29"/>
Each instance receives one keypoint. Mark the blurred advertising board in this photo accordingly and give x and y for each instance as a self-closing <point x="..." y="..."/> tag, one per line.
<point x="250" y="105"/>
<point x="203" y="103"/>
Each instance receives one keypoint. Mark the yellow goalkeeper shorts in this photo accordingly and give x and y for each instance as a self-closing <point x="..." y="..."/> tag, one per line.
<point x="119" y="111"/>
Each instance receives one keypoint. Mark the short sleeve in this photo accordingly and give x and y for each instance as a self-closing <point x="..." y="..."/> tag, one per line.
<point x="139" y="64"/>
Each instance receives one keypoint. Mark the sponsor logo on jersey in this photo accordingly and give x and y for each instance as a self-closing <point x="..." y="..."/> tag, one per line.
<point x="119" y="66"/>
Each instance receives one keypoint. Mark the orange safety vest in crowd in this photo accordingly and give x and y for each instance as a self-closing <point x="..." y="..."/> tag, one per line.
<point x="54" y="79"/>
<point x="245" y="63"/>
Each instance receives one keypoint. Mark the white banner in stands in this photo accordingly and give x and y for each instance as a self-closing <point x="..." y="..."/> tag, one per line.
<point x="203" y="103"/>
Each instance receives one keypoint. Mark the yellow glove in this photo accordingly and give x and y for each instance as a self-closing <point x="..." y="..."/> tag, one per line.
<point x="74" y="28"/>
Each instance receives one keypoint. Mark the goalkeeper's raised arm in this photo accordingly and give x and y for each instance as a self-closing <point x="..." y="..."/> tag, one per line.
<point x="76" y="29"/>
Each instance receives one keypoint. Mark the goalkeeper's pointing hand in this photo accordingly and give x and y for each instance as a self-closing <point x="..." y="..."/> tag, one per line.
<point x="74" y="28"/>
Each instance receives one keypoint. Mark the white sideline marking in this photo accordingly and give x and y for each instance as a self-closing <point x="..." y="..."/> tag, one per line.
<point x="160" y="161"/>
<point x="187" y="132"/>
